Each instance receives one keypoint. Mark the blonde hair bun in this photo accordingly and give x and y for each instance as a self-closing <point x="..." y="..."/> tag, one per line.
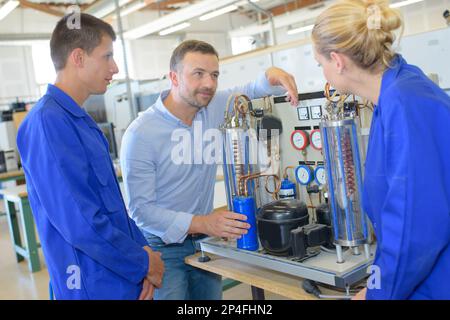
<point x="390" y="19"/>
<point x="361" y="29"/>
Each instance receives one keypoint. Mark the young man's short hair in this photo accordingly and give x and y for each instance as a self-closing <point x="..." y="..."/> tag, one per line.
<point x="66" y="38"/>
<point x="190" y="46"/>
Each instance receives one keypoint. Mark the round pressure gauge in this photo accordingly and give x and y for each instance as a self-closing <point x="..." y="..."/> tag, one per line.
<point x="299" y="139"/>
<point x="320" y="176"/>
<point x="316" y="139"/>
<point x="304" y="175"/>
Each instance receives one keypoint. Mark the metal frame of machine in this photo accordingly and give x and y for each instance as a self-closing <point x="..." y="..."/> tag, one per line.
<point x="318" y="269"/>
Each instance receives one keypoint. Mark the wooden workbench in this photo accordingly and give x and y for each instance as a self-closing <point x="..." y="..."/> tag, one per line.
<point x="16" y="192"/>
<point x="265" y="279"/>
<point x="12" y="175"/>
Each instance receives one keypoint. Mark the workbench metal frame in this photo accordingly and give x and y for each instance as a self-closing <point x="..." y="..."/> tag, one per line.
<point x="337" y="279"/>
<point x="30" y="248"/>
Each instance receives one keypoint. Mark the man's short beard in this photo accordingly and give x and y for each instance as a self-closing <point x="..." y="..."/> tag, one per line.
<point x="193" y="103"/>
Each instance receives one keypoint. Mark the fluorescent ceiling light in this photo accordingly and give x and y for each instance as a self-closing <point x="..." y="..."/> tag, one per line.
<point x="224" y="10"/>
<point x="103" y="8"/>
<point x="218" y="12"/>
<point x="177" y="17"/>
<point x="7" y="8"/>
<point x="244" y="2"/>
<point x="301" y="29"/>
<point x="22" y="43"/>
<point x="404" y="3"/>
<point x="175" y="28"/>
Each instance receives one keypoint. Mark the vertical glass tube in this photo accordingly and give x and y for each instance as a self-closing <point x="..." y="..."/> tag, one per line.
<point x="344" y="178"/>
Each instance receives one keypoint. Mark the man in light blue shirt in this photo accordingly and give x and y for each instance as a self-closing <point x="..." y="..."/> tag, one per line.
<point x="171" y="200"/>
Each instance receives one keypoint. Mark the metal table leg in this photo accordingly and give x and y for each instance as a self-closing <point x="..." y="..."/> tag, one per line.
<point x="258" y="293"/>
<point x="30" y="236"/>
<point x="30" y="248"/>
<point x="14" y="230"/>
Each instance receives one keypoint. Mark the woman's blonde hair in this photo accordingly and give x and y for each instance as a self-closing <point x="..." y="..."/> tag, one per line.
<point x="360" y="29"/>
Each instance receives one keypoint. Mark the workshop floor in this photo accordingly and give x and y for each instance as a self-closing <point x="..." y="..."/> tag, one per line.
<point x="17" y="283"/>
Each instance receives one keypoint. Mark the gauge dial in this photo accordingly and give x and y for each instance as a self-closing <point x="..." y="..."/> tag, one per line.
<point x="316" y="139"/>
<point x="316" y="112"/>
<point x="299" y="139"/>
<point x="320" y="175"/>
<point x="303" y="113"/>
<point x="304" y="175"/>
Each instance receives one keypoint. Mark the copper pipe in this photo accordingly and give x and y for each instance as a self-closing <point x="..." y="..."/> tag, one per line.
<point x="331" y="98"/>
<point x="239" y="167"/>
<point x="277" y="186"/>
<point x="285" y="176"/>
<point x="327" y="93"/>
<point x="246" y="178"/>
<point x="239" y="107"/>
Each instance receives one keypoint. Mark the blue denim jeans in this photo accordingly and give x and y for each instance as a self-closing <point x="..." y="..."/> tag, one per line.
<point x="182" y="281"/>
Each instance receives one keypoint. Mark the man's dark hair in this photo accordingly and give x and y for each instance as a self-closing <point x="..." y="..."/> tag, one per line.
<point x="190" y="46"/>
<point x="87" y="36"/>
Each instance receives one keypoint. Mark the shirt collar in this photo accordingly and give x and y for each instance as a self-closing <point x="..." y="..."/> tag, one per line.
<point x="391" y="73"/>
<point x="65" y="101"/>
<point x="159" y="105"/>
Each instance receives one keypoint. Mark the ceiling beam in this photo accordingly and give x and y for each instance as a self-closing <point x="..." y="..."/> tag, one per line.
<point x="292" y="6"/>
<point x="162" y="5"/>
<point x="174" y="18"/>
<point x="41" y="7"/>
<point x="58" y="10"/>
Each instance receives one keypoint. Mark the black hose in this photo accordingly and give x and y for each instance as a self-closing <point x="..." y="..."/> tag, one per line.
<point x="311" y="288"/>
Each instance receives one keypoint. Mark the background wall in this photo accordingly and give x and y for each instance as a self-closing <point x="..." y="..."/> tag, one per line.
<point x="149" y="58"/>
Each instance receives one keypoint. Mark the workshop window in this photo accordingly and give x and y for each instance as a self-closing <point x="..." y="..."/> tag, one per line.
<point x="44" y="71"/>
<point x="242" y="44"/>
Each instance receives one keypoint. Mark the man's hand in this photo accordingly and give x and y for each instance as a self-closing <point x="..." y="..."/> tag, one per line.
<point x="156" y="267"/>
<point x="220" y="224"/>
<point x="360" y="295"/>
<point x="147" y="290"/>
<point x="279" y="77"/>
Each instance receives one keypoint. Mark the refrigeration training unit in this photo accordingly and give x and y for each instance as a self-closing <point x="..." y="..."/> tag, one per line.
<point x="297" y="174"/>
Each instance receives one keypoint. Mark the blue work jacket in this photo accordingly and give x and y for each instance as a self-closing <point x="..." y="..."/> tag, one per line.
<point x="407" y="186"/>
<point x="92" y="248"/>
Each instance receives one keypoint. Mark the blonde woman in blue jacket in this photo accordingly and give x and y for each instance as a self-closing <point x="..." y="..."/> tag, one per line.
<point x="407" y="184"/>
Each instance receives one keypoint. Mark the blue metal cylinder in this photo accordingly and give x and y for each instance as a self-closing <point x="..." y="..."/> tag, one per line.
<point x="246" y="206"/>
<point x="287" y="190"/>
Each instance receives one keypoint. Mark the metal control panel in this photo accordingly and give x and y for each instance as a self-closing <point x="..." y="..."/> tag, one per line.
<point x="300" y="142"/>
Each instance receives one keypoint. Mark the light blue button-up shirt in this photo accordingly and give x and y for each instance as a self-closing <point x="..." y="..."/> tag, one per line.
<point x="163" y="195"/>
